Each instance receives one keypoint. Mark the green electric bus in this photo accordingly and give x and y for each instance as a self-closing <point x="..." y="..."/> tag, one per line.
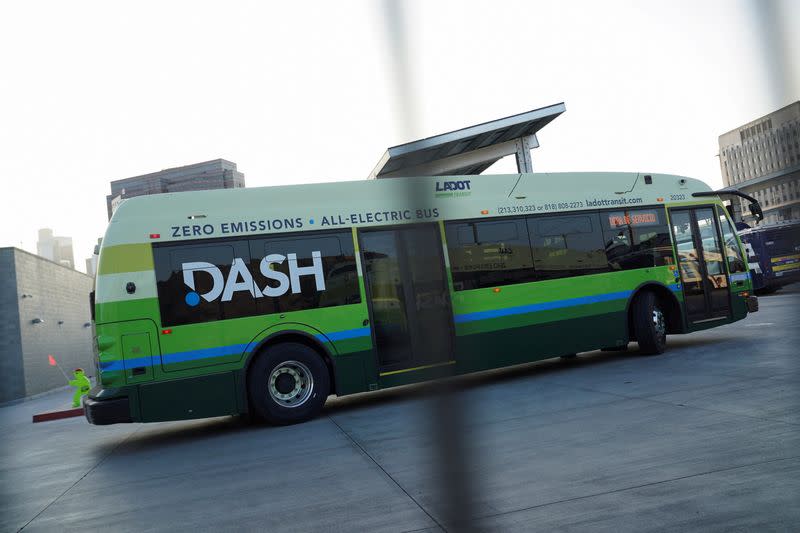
<point x="268" y="300"/>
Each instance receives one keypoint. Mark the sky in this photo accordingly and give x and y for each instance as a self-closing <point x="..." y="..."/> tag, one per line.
<point x="304" y="92"/>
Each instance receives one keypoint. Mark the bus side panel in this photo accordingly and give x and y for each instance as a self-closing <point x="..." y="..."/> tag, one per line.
<point x="354" y="367"/>
<point x="503" y="341"/>
<point x="754" y="250"/>
<point x="776" y="260"/>
<point x="782" y="251"/>
<point x="128" y="353"/>
<point x="523" y="323"/>
<point x="738" y="307"/>
<point x="741" y="286"/>
<point x="183" y="399"/>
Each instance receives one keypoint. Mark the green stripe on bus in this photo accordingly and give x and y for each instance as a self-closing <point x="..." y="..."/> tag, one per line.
<point x="125" y="258"/>
<point x="240" y="330"/>
<point x="539" y="317"/>
<point x="130" y="310"/>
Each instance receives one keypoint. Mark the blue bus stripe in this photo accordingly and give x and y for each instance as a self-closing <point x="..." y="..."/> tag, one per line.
<point x="546" y="306"/>
<point x="121" y="364"/>
<point x="205" y="353"/>
<point x="342" y="335"/>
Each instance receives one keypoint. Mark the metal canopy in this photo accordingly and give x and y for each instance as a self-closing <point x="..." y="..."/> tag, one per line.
<point x="469" y="150"/>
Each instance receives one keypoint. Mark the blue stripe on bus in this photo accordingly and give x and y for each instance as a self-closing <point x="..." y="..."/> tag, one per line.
<point x="207" y="353"/>
<point x="171" y="358"/>
<point x="342" y="335"/>
<point x="120" y="364"/>
<point x="546" y="306"/>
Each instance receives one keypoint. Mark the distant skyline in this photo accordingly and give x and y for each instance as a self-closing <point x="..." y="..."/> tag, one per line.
<point x="92" y="92"/>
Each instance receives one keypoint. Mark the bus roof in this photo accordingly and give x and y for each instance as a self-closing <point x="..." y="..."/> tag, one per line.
<point x="338" y="205"/>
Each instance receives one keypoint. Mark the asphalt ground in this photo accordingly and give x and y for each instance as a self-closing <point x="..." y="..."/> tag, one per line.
<point x="703" y="438"/>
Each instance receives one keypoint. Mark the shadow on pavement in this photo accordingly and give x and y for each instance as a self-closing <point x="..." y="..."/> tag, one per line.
<point x="470" y="381"/>
<point x="167" y="434"/>
<point x="509" y="374"/>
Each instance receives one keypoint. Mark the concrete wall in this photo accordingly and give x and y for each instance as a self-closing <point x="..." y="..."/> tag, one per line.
<point x="60" y="297"/>
<point x="12" y="380"/>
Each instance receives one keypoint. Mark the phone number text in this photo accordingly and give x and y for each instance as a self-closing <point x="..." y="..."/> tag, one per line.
<point x="534" y="208"/>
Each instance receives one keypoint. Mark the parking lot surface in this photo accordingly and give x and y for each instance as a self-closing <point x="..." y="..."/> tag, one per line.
<point x="705" y="437"/>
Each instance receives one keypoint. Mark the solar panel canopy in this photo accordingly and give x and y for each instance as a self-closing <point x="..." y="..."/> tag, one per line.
<point x="470" y="150"/>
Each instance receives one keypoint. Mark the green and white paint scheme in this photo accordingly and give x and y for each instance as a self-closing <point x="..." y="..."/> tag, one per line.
<point x="199" y="370"/>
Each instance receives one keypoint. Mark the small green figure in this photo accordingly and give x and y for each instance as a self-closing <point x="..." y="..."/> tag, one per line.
<point x="81" y="384"/>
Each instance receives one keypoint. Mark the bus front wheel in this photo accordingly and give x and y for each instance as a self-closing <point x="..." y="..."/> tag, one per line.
<point x="649" y="324"/>
<point x="288" y="383"/>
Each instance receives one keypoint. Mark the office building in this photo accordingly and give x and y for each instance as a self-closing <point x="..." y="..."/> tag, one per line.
<point x="45" y="310"/>
<point x="762" y="159"/>
<point x="216" y="174"/>
<point x="54" y="248"/>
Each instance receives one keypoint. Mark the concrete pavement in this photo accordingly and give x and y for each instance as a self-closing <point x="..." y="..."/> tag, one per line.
<point x="705" y="437"/>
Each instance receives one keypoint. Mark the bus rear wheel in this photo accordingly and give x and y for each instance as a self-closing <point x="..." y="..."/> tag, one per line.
<point x="288" y="383"/>
<point x="649" y="324"/>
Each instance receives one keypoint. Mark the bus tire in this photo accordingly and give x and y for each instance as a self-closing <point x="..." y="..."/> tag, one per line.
<point x="649" y="324"/>
<point x="288" y="383"/>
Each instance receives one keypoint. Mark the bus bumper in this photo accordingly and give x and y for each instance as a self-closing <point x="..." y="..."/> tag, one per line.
<point x="104" y="412"/>
<point x="752" y="304"/>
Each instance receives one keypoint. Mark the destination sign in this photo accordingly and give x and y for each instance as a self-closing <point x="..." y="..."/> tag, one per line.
<point x="636" y="219"/>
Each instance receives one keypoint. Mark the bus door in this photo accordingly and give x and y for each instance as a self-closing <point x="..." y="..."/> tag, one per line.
<point x="409" y="298"/>
<point x="701" y="263"/>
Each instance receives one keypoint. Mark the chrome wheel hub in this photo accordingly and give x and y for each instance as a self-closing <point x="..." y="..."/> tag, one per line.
<point x="291" y="384"/>
<point x="659" y="323"/>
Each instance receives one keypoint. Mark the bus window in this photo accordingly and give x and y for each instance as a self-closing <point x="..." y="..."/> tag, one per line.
<point x="565" y="246"/>
<point x="489" y="253"/>
<point x="636" y="238"/>
<point x="712" y="252"/>
<point x="732" y="251"/>
<point x="232" y="279"/>
<point x="337" y="285"/>
<point x="192" y="280"/>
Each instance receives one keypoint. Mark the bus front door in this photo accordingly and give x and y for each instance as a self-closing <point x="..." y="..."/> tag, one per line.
<point x="409" y="299"/>
<point x="701" y="263"/>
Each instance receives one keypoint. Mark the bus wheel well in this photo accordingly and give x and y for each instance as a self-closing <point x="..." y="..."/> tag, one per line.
<point x="668" y="302"/>
<point x="300" y="339"/>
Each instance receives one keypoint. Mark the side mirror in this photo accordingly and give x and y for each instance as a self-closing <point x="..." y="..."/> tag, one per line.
<point x="756" y="211"/>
